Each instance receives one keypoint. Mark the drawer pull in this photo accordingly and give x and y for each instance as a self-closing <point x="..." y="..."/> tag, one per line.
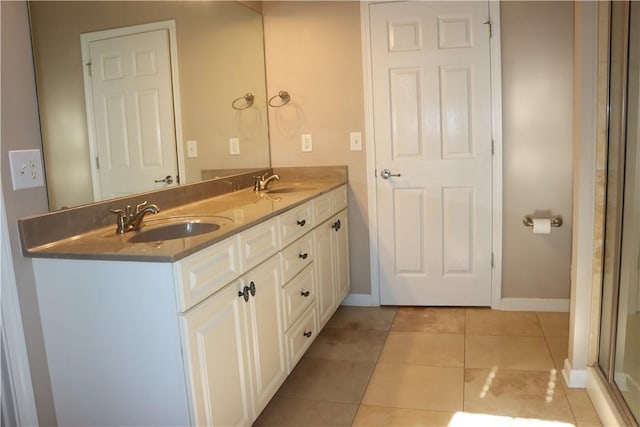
<point x="307" y="334"/>
<point x="301" y="222"/>
<point x="336" y="225"/>
<point x="244" y="293"/>
<point x="305" y="293"/>
<point x="303" y="256"/>
<point x="252" y="289"/>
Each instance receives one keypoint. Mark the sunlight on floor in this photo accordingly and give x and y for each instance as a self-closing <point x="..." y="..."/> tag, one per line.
<point x="464" y="419"/>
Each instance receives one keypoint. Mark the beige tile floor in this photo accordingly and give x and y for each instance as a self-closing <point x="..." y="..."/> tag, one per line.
<point x="445" y="367"/>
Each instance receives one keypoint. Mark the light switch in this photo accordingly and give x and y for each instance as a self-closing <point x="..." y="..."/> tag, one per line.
<point x="356" y="141"/>
<point x="192" y="148"/>
<point x="234" y="146"/>
<point x="26" y="169"/>
<point x="307" y="143"/>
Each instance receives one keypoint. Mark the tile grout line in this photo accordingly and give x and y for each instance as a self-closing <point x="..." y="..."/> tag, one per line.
<point x="563" y="386"/>
<point x="375" y="365"/>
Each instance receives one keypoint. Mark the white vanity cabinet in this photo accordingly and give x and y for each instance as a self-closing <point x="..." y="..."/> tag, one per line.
<point x="235" y="348"/>
<point x="206" y="340"/>
<point x="332" y="252"/>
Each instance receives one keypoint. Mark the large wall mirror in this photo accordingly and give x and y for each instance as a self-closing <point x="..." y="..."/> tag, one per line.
<point x="219" y="50"/>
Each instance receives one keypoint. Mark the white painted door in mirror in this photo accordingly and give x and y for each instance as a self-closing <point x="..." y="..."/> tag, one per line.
<point x="432" y="110"/>
<point x="132" y="107"/>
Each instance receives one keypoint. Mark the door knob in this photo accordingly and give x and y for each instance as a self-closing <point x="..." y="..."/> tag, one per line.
<point x="167" y="180"/>
<point x="386" y="174"/>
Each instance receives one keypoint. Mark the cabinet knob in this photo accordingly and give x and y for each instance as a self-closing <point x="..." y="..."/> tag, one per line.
<point x="301" y="222"/>
<point x="244" y="293"/>
<point x="307" y="334"/>
<point x="336" y="225"/>
<point x="252" y="289"/>
<point x="303" y="256"/>
<point x="305" y="293"/>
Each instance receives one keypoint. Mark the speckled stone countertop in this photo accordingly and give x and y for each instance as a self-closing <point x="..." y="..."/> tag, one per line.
<point x="234" y="211"/>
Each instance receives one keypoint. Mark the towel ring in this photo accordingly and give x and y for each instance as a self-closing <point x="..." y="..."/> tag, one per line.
<point x="248" y="101"/>
<point x="284" y="98"/>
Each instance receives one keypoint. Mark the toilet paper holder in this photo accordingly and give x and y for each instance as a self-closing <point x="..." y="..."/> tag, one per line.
<point x="556" y="221"/>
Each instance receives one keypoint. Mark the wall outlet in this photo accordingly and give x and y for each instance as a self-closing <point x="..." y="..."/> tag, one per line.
<point x="192" y="148"/>
<point x="26" y="169"/>
<point x="234" y="146"/>
<point x="356" y="141"/>
<point x="307" y="143"/>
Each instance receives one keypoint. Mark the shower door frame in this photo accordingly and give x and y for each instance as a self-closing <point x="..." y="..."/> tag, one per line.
<point x="616" y="134"/>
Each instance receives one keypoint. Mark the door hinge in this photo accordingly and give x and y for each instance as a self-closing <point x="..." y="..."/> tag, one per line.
<point x="88" y="64"/>
<point x="97" y="162"/>
<point x="490" y="29"/>
<point x="492" y="264"/>
<point x="493" y="148"/>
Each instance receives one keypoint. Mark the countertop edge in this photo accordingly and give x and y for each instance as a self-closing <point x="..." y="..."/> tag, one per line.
<point x="47" y="252"/>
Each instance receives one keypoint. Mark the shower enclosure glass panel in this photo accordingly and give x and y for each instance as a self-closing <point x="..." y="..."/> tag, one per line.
<point x="627" y="348"/>
<point x="619" y="349"/>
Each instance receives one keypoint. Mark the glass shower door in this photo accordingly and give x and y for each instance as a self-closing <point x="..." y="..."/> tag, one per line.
<point x="619" y="349"/>
<point x="627" y="341"/>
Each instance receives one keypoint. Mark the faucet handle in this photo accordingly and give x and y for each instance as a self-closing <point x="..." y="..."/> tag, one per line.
<point x="140" y="206"/>
<point x="121" y="221"/>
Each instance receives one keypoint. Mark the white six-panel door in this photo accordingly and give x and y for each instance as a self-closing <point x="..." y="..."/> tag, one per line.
<point x="432" y="124"/>
<point x="133" y="110"/>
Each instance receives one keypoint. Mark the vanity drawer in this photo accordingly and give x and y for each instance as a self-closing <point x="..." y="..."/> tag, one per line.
<point x="339" y="198"/>
<point x="301" y="335"/>
<point x="296" y="257"/>
<point x="258" y="243"/>
<point x="322" y="208"/>
<point x="294" y="223"/>
<point x="205" y="272"/>
<point x="298" y="295"/>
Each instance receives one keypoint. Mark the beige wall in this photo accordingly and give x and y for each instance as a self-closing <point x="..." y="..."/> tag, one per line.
<point x="19" y="131"/>
<point x="220" y="56"/>
<point x="313" y="50"/>
<point x="537" y="87"/>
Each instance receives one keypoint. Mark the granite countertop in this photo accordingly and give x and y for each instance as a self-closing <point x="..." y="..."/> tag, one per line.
<point x="234" y="211"/>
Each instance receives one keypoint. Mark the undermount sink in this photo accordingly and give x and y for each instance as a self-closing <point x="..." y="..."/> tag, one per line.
<point x="178" y="230"/>
<point x="177" y="227"/>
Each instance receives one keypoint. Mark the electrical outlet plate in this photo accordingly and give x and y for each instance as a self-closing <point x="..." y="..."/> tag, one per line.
<point x="307" y="143"/>
<point x="192" y="148"/>
<point x="26" y="169"/>
<point x="234" y="146"/>
<point x="356" y="141"/>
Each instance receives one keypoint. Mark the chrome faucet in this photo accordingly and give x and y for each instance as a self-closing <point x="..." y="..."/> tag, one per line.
<point x="261" y="182"/>
<point x="130" y="220"/>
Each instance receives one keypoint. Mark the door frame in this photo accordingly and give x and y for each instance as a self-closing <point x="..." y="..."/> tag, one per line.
<point x="496" y="132"/>
<point x="85" y="40"/>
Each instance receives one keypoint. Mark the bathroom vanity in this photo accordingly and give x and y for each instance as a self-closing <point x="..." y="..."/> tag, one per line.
<point x="200" y="330"/>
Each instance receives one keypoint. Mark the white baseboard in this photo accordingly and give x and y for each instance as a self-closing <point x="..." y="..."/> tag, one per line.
<point x="574" y="378"/>
<point x="535" y="304"/>
<point x="359" y="300"/>
<point x="601" y="400"/>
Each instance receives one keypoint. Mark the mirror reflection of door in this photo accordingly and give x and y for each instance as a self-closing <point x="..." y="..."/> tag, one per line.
<point x="131" y="110"/>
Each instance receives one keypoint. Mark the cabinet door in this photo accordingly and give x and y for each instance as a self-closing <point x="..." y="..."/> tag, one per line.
<point x="323" y="262"/>
<point x="217" y="353"/>
<point x="267" y="330"/>
<point x="340" y="247"/>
